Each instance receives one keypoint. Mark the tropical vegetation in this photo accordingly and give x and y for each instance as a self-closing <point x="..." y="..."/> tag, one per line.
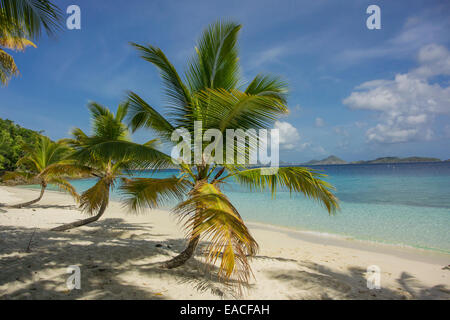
<point x="38" y="157"/>
<point x="12" y="137"/>
<point x="21" y="21"/>
<point x="88" y="159"/>
<point x="211" y="93"/>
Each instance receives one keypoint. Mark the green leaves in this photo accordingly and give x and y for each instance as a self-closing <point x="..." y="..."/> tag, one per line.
<point x="142" y="115"/>
<point x="236" y="110"/>
<point x="216" y="63"/>
<point x="43" y="154"/>
<point x="209" y="214"/>
<point x="211" y="96"/>
<point x="29" y="17"/>
<point x="269" y="86"/>
<point x="295" y="179"/>
<point x="141" y="193"/>
<point x="177" y="95"/>
<point x="92" y="199"/>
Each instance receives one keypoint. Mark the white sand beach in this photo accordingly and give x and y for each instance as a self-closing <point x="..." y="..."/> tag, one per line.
<point x="118" y="257"/>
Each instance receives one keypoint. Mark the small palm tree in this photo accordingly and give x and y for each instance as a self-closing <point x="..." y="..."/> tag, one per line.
<point x="21" y="20"/>
<point x="88" y="158"/>
<point x="38" y="158"/>
<point x="210" y="94"/>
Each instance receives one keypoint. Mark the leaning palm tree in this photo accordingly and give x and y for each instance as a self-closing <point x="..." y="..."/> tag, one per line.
<point x="88" y="158"/>
<point x="35" y="163"/>
<point x="210" y="94"/>
<point x="21" y="20"/>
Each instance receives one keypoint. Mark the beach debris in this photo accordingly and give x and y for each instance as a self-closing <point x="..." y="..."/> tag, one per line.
<point x="31" y="239"/>
<point x="158" y="245"/>
<point x="446" y="267"/>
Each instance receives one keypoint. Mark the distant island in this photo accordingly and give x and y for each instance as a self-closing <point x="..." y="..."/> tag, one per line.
<point x="335" y="160"/>
<point x="329" y="160"/>
<point x="398" y="160"/>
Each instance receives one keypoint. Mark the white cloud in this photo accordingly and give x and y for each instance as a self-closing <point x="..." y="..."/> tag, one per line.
<point x="408" y="103"/>
<point x="434" y="60"/>
<point x="319" y="122"/>
<point x="447" y="131"/>
<point x="289" y="136"/>
<point x="415" y="33"/>
<point x="267" y="56"/>
<point x="360" y="124"/>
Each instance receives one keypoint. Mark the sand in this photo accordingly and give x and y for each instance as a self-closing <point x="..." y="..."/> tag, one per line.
<point x="118" y="257"/>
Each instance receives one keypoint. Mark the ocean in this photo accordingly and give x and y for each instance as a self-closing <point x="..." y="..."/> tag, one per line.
<point x="405" y="204"/>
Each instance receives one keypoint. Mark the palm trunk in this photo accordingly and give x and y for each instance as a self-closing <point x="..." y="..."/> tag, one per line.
<point x="83" y="222"/>
<point x="29" y="203"/>
<point x="184" y="256"/>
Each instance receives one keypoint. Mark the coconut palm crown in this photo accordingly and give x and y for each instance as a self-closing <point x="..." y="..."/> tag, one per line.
<point x="38" y="158"/>
<point x="20" y="21"/>
<point x="211" y="92"/>
<point x="88" y="159"/>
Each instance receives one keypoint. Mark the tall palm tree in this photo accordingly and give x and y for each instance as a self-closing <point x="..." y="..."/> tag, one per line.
<point x="210" y="92"/>
<point x="38" y="158"/>
<point x="88" y="158"/>
<point x="21" y="20"/>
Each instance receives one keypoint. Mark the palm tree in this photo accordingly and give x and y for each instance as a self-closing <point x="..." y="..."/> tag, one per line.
<point x="108" y="169"/>
<point x="21" y="20"/>
<point x="8" y="67"/>
<point x="210" y="93"/>
<point x="28" y="18"/>
<point x="38" y="158"/>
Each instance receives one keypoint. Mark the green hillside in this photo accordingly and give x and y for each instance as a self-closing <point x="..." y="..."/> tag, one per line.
<point x="12" y="137"/>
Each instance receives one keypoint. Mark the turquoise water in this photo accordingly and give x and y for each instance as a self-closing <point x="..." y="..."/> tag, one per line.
<point x="404" y="204"/>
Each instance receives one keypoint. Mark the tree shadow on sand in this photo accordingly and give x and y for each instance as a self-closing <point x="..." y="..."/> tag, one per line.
<point x="106" y="252"/>
<point x="352" y="284"/>
<point x="4" y="207"/>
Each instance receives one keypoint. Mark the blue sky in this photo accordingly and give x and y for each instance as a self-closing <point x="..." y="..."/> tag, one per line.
<point x="354" y="92"/>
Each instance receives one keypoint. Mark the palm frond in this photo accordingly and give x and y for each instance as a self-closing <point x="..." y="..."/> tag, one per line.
<point x="8" y="67"/>
<point x="92" y="199"/>
<point x="17" y="175"/>
<point x="209" y="214"/>
<point x="122" y="111"/>
<point x="295" y="179"/>
<point x="68" y="168"/>
<point x="15" y="43"/>
<point x="268" y="86"/>
<point x="29" y="17"/>
<point x="216" y="63"/>
<point x="65" y="186"/>
<point x="141" y="156"/>
<point x="97" y="110"/>
<point x="177" y="94"/>
<point x="236" y="110"/>
<point x="142" y="115"/>
<point x="141" y="193"/>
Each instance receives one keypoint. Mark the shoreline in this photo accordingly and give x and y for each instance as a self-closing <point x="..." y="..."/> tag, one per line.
<point x="118" y="256"/>
<point x="406" y="251"/>
<point x="318" y="236"/>
<point x="327" y="238"/>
